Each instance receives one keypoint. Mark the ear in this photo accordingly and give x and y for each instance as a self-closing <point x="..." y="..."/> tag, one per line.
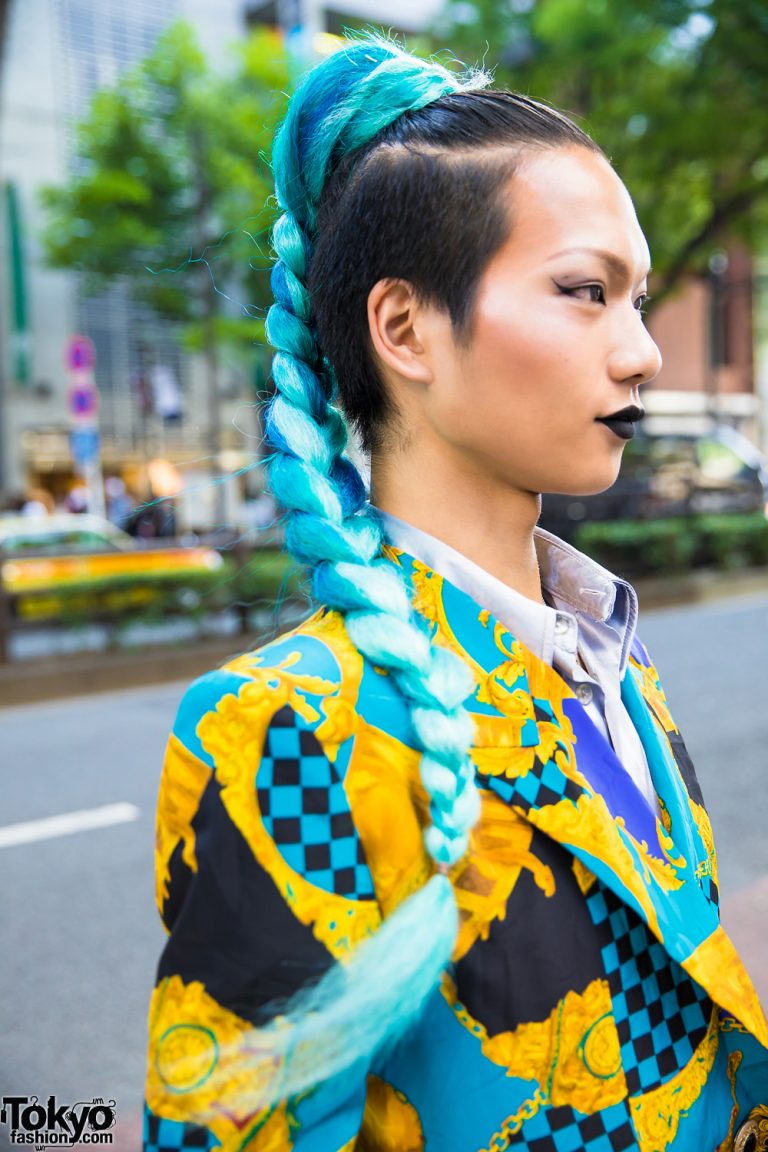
<point x="395" y="320"/>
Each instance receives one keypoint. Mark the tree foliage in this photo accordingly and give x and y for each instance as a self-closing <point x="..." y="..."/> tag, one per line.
<point x="171" y="188"/>
<point x="674" y="90"/>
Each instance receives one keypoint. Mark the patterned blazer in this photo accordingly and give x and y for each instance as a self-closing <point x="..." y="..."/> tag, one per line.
<point x="594" y="1001"/>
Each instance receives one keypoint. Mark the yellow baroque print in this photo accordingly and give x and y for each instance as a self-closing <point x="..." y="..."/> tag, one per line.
<point x="716" y="965"/>
<point x="574" y="1055"/>
<point x="584" y="878"/>
<point x="499" y="849"/>
<point x="702" y="821"/>
<point x="234" y="736"/>
<point x="651" y="689"/>
<point x="182" y="783"/>
<point x="428" y="601"/>
<point x="656" y="1115"/>
<point x="588" y="825"/>
<point x="203" y="1069"/>
<point x="384" y="792"/>
<point x="390" y="1121"/>
<point x="327" y="627"/>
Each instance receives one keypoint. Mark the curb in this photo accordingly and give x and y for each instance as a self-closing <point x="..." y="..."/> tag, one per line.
<point x="700" y="587"/>
<point x="82" y="674"/>
<point x="28" y="682"/>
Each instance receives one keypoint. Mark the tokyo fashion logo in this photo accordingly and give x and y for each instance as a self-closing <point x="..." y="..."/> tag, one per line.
<point x="64" y="1125"/>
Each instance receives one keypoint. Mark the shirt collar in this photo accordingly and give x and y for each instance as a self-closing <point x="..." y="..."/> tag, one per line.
<point x="572" y="582"/>
<point x="579" y="584"/>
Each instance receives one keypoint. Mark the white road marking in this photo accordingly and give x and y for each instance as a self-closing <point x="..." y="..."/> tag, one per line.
<point x="67" y="823"/>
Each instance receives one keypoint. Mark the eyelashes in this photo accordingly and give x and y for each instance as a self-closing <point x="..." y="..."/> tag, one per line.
<point x="595" y="294"/>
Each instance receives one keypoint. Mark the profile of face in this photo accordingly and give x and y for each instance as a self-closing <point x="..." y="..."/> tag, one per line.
<point x="557" y="340"/>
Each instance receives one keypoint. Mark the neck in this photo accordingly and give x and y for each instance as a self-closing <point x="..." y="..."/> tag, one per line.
<point x="483" y="518"/>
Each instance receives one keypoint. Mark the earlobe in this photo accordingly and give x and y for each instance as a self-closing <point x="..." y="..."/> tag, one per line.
<point x="394" y="316"/>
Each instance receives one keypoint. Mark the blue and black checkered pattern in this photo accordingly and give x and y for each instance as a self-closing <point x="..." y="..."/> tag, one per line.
<point x="543" y="784"/>
<point x="566" y="1130"/>
<point x="661" y="1014"/>
<point x="161" y="1135"/>
<point x="305" y="810"/>
<point x="710" y="890"/>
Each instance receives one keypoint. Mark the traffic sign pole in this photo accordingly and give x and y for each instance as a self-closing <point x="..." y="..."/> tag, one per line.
<point x="83" y="403"/>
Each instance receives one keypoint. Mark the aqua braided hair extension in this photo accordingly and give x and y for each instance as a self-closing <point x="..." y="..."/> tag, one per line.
<point x="367" y="1003"/>
<point x="341" y="105"/>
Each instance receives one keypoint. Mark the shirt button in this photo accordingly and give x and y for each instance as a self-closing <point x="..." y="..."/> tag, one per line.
<point x="562" y="624"/>
<point x="584" y="693"/>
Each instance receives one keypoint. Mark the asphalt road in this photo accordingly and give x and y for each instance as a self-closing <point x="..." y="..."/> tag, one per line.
<point x="81" y="937"/>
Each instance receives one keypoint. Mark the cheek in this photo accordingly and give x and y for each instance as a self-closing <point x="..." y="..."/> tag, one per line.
<point x="526" y="358"/>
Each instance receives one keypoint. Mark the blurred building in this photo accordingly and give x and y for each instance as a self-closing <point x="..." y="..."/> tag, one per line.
<point x="707" y="336"/>
<point x="56" y="54"/>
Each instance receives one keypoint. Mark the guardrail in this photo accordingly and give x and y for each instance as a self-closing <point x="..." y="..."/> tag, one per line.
<point x="233" y="589"/>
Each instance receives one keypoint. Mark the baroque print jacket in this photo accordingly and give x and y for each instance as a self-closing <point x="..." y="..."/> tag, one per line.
<point x="594" y="1001"/>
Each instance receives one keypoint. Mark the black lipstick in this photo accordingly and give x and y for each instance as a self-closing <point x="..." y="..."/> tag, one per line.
<point x="623" y="423"/>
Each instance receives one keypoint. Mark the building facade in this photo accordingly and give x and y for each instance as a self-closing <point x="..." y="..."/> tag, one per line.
<point x="57" y="53"/>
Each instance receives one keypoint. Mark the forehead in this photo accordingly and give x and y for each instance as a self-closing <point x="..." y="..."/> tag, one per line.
<point x="572" y="198"/>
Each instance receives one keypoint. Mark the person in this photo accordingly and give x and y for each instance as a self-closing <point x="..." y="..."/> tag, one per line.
<point x="434" y="866"/>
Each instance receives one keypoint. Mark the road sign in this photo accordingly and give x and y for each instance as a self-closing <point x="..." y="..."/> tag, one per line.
<point x="84" y="444"/>
<point x="79" y="354"/>
<point x="83" y="400"/>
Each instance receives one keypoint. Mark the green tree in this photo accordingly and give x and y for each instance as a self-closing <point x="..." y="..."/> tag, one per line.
<point x="171" y="193"/>
<point x="673" y="90"/>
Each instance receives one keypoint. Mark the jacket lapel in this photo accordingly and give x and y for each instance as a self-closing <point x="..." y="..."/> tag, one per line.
<point x="538" y="750"/>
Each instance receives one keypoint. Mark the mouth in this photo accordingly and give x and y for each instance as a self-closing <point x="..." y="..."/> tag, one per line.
<point x="624" y="422"/>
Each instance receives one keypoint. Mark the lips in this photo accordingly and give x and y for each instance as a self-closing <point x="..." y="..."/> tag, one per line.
<point x="623" y="423"/>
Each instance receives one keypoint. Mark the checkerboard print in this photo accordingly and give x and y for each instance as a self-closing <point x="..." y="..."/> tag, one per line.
<point x="543" y="784"/>
<point x="661" y="1014"/>
<point x="711" y="892"/>
<point x="305" y="810"/>
<point x="566" y="1130"/>
<point x="161" y="1135"/>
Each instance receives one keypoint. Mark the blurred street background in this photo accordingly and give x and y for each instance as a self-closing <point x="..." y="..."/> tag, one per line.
<point x="137" y="545"/>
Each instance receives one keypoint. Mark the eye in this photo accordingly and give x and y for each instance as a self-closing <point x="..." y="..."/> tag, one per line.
<point x="592" y="293"/>
<point x="642" y="302"/>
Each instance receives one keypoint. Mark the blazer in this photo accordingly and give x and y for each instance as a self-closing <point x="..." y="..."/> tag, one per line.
<point x="593" y="1001"/>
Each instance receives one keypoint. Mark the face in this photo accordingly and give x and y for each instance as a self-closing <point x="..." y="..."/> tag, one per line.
<point x="557" y="342"/>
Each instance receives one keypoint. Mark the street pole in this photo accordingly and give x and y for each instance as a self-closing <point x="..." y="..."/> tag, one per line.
<point x="83" y="402"/>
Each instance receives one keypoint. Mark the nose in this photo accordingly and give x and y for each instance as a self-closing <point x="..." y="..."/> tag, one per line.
<point x="635" y="357"/>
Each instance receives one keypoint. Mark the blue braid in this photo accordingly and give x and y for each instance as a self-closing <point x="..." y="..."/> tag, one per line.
<point x="369" y="1001"/>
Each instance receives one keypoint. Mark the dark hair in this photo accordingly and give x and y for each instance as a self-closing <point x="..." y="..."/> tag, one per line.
<point x="420" y="202"/>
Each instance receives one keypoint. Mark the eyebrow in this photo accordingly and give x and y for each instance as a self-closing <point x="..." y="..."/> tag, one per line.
<point x="617" y="265"/>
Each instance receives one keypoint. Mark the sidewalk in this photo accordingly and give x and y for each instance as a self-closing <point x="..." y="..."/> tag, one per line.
<point x="744" y="916"/>
<point x="30" y="681"/>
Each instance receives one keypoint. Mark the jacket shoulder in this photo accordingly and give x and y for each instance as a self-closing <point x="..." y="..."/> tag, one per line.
<point x="314" y="670"/>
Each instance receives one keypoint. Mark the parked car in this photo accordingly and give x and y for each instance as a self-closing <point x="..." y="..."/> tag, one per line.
<point x="43" y="557"/>
<point x="670" y="475"/>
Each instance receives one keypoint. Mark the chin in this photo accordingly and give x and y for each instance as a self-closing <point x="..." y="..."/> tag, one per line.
<point x="591" y="485"/>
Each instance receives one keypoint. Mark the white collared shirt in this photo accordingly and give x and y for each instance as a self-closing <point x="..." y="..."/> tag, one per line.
<point x="585" y="634"/>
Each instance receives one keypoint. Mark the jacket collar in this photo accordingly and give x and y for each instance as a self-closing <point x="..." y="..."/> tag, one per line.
<point x="538" y="750"/>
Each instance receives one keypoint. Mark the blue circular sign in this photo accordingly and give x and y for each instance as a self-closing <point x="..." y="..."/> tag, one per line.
<point x="80" y="354"/>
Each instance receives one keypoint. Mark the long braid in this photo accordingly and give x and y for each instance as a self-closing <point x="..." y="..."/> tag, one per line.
<point x="368" y="1002"/>
<point x="329" y="525"/>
